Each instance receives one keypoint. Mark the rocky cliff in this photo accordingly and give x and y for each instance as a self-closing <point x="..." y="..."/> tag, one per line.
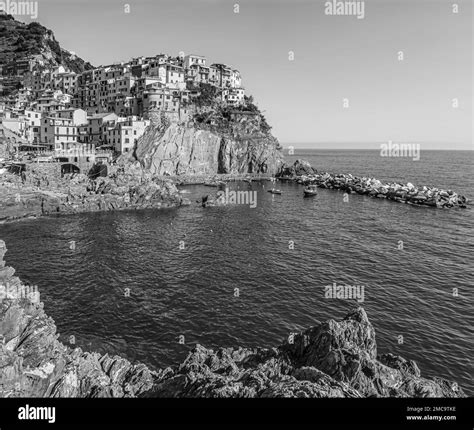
<point x="332" y="359"/>
<point x="212" y="138"/>
<point x="183" y="150"/>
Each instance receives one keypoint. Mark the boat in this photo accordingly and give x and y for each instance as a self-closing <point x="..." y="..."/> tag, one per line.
<point x="310" y="191"/>
<point x="274" y="191"/>
<point x="214" y="183"/>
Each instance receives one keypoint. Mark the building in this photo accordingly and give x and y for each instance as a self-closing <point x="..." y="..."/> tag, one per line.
<point x="198" y="60"/>
<point x="60" y="130"/>
<point x="78" y="116"/>
<point x="92" y="131"/>
<point x="125" y="134"/>
<point x="162" y="99"/>
<point x="33" y="130"/>
<point x="233" y="96"/>
<point x="175" y="77"/>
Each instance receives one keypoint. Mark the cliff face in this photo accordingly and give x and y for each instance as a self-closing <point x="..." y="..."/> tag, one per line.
<point x="182" y="150"/>
<point x="332" y="359"/>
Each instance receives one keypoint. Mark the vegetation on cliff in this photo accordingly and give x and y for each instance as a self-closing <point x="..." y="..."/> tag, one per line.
<point x="215" y="115"/>
<point x="19" y="41"/>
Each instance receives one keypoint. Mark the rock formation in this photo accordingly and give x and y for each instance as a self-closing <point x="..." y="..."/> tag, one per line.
<point x="46" y="193"/>
<point x="33" y="363"/>
<point x="297" y="169"/>
<point x="179" y="149"/>
<point x="303" y="173"/>
<point x="332" y="359"/>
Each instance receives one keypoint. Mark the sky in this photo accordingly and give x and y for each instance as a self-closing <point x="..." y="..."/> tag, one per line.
<point x="301" y="64"/>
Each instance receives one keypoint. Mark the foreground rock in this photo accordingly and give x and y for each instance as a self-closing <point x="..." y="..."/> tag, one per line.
<point x="332" y="359"/>
<point x="33" y="363"/>
<point x="303" y="173"/>
<point x="46" y="193"/>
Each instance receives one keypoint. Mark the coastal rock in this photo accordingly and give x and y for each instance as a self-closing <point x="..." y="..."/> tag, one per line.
<point x="333" y="359"/>
<point x="47" y="193"/>
<point x="178" y="149"/>
<point x="298" y="168"/>
<point x="33" y="363"/>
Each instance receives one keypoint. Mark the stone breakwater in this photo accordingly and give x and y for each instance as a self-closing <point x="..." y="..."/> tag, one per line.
<point x="45" y="193"/>
<point x="304" y="174"/>
<point x="331" y="359"/>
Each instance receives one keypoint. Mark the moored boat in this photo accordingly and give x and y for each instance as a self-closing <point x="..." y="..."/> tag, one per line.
<point x="274" y="191"/>
<point x="310" y="190"/>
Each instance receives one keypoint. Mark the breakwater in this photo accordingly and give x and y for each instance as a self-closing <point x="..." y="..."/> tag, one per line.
<point x="302" y="173"/>
<point x="330" y="359"/>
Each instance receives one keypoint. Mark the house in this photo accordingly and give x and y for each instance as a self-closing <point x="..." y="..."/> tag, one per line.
<point x="220" y="75"/>
<point x="233" y="96"/>
<point x="58" y="133"/>
<point x="78" y="116"/>
<point x="125" y="134"/>
<point x="198" y="60"/>
<point x="33" y="129"/>
<point x="175" y="76"/>
<point x="66" y="82"/>
<point x="163" y="99"/>
<point x="95" y="125"/>
<point x="51" y="101"/>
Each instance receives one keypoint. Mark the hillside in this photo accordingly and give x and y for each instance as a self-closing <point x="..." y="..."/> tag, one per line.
<point x="219" y="139"/>
<point x="20" y="41"/>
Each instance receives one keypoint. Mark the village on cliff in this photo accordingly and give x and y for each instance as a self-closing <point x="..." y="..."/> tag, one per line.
<point x="60" y="115"/>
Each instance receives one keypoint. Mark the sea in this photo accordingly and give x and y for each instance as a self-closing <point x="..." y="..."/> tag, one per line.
<point x="150" y="285"/>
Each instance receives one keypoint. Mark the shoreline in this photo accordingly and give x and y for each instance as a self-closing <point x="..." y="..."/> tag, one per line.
<point x="44" y="192"/>
<point x="331" y="359"/>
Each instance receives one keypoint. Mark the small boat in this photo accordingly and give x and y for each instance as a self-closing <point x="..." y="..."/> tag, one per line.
<point x="214" y="184"/>
<point x="310" y="191"/>
<point x="274" y="191"/>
